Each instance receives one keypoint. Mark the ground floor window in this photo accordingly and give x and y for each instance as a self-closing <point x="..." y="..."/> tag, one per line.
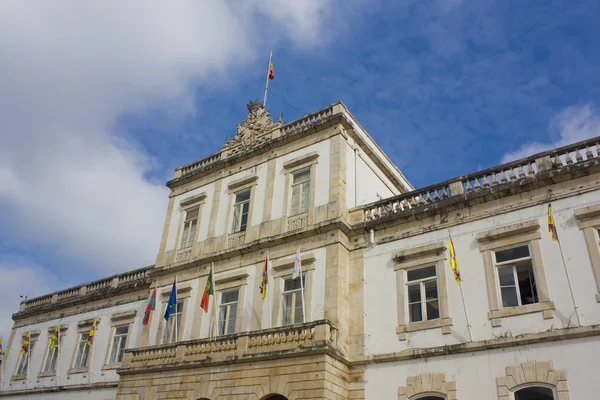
<point x="535" y="393"/>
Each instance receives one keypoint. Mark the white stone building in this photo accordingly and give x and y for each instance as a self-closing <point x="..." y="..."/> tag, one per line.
<point x="380" y="316"/>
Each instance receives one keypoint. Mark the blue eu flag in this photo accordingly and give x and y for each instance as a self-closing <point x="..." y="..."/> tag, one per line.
<point x="172" y="304"/>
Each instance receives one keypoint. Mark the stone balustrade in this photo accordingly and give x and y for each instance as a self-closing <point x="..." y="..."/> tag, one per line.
<point x="295" y="338"/>
<point x="307" y="122"/>
<point x="197" y="165"/>
<point x="526" y="168"/>
<point x="86" y="289"/>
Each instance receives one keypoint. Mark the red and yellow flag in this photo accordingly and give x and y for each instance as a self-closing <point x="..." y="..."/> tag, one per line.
<point x="149" y="308"/>
<point x="25" y="343"/>
<point x="92" y="333"/>
<point x="552" y="225"/>
<point x="208" y="291"/>
<point x="454" y="263"/>
<point x="54" y="339"/>
<point x="265" y="279"/>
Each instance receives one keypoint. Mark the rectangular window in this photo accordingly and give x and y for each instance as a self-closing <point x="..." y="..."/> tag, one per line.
<point x="300" y="192"/>
<point x="83" y="351"/>
<point x="240" y="211"/>
<point x="118" y="345"/>
<point x="173" y="325"/>
<point x="24" y="360"/>
<point x="51" y="356"/>
<point x="228" y="311"/>
<point x="188" y="235"/>
<point x="293" y="312"/>
<point x="515" y="276"/>
<point x="423" y="299"/>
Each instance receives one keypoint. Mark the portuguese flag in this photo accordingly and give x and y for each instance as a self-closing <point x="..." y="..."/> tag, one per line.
<point x="271" y="69"/>
<point x="150" y="307"/>
<point x="208" y="291"/>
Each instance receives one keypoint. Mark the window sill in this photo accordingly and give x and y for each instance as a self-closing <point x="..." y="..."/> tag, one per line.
<point x="47" y="374"/>
<point x="444" y="323"/>
<point x="73" y="371"/>
<point x="544" y="307"/>
<point x="107" y="367"/>
<point x="18" y="377"/>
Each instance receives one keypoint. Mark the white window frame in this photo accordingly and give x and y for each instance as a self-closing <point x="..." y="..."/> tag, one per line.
<point x="24" y="359"/>
<point x="52" y="356"/>
<point x="236" y="226"/>
<point x="303" y="186"/>
<point x="295" y="293"/>
<point x="81" y="349"/>
<point x="186" y="228"/>
<point x="225" y="327"/>
<point x="512" y="263"/>
<point x="530" y="385"/>
<point x="168" y="332"/>
<point x="423" y="298"/>
<point x="122" y="338"/>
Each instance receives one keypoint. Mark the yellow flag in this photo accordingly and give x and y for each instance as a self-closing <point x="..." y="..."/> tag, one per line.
<point x="454" y="263"/>
<point x="25" y="343"/>
<point x="90" y="338"/>
<point x="54" y="338"/>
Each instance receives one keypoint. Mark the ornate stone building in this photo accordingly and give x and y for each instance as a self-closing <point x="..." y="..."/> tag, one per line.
<point x="378" y="313"/>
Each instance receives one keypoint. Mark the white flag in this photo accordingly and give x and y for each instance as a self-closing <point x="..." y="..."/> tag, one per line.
<point x="297" y="265"/>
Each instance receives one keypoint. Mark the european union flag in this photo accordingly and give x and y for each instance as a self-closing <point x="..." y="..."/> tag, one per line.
<point x="172" y="304"/>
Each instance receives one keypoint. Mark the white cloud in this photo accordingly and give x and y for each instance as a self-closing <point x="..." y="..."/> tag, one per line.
<point x="571" y="125"/>
<point x="69" y="69"/>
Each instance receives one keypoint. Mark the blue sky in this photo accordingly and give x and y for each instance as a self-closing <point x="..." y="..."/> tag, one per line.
<point x="99" y="110"/>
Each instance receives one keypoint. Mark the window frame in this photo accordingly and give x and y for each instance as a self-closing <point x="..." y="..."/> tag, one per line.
<point x="168" y="328"/>
<point x="294" y="166"/>
<point x="415" y="258"/>
<point x="190" y="241"/>
<point x="184" y="291"/>
<point x="225" y="282"/>
<point x="294" y="293"/>
<point x="534" y="385"/>
<point x="84" y="327"/>
<point x="223" y="327"/>
<point x="301" y="185"/>
<point x="237" y="227"/>
<point x="526" y="232"/>
<point x="56" y="350"/>
<point x="533" y="373"/>
<point x="512" y="263"/>
<point x="422" y="292"/>
<point x="428" y="384"/>
<point x="33" y="337"/>
<point x="82" y="342"/>
<point x="235" y="187"/>
<point x="588" y="219"/>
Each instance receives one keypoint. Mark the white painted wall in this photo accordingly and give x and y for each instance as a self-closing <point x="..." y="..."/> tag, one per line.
<point x="66" y="355"/>
<point x="380" y="288"/>
<point x="475" y="373"/>
<point x="322" y="178"/>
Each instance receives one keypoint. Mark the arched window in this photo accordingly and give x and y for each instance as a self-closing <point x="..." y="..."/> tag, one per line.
<point x="276" y="397"/>
<point x="535" y="393"/>
<point x="428" y="397"/>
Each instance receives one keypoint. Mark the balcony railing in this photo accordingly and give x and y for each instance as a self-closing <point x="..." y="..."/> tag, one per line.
<point x="88" y="288"/>
<point x="513" y="171"/>
<point x="295" y="338"/>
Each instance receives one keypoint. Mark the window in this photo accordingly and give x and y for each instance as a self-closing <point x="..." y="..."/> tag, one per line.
<point x="293" y="312"/>
<point x="24" y="360"/>
<point x="516" y="277"/>
<point x="240" y="211"/>
<point x="228" y="311"/>
<point x="534" y="393"/>
<point x="83" y="351"/>
<point x="51" y="356"/>
<point x="190" y="224"/>
<point x="300" y="192"/>
<point x="173" y="325"/>
<point x="422" y="292"/>
<point x="118" y="345"/>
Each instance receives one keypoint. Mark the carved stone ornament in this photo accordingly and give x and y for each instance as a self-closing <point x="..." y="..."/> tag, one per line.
<point x="253" y="132"/>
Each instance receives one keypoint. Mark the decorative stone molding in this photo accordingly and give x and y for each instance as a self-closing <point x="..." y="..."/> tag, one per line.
<point x="533" y="372"/>
<point x="589" y="222"/>
<point x="428" y="383"/>
<point x="242" y="182"/>
<point x="523" y="233"/>
<point x="123" y="317"/>
<point x="297" y="222"/>
<point x="236" y="239"/>
<point x="253" y="132"/>
<point x="421" y="256"/>
<point x="183" y="255"/>
<point x="193" y="200"/>
<point x="304" y="160"/>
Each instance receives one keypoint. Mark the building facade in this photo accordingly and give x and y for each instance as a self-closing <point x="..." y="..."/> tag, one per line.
<point x="377" y="312"/>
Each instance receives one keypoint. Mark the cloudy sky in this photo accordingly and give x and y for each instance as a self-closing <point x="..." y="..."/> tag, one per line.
<point x="100" y="101"/>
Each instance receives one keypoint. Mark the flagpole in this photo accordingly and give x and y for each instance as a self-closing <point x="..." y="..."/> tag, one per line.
<point x="1" y="363"/>
<point x="562" y="256"/>
<point x="28" y="355"/>
<point x="176" y="315"/>
<point x="216" y="326"/>
<point x="462" y="293"/>
<point x="302" y="289"/>
<point x="58" y="354"/>
<point x="271" y="296"/>
<point x="267" y="84"/>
